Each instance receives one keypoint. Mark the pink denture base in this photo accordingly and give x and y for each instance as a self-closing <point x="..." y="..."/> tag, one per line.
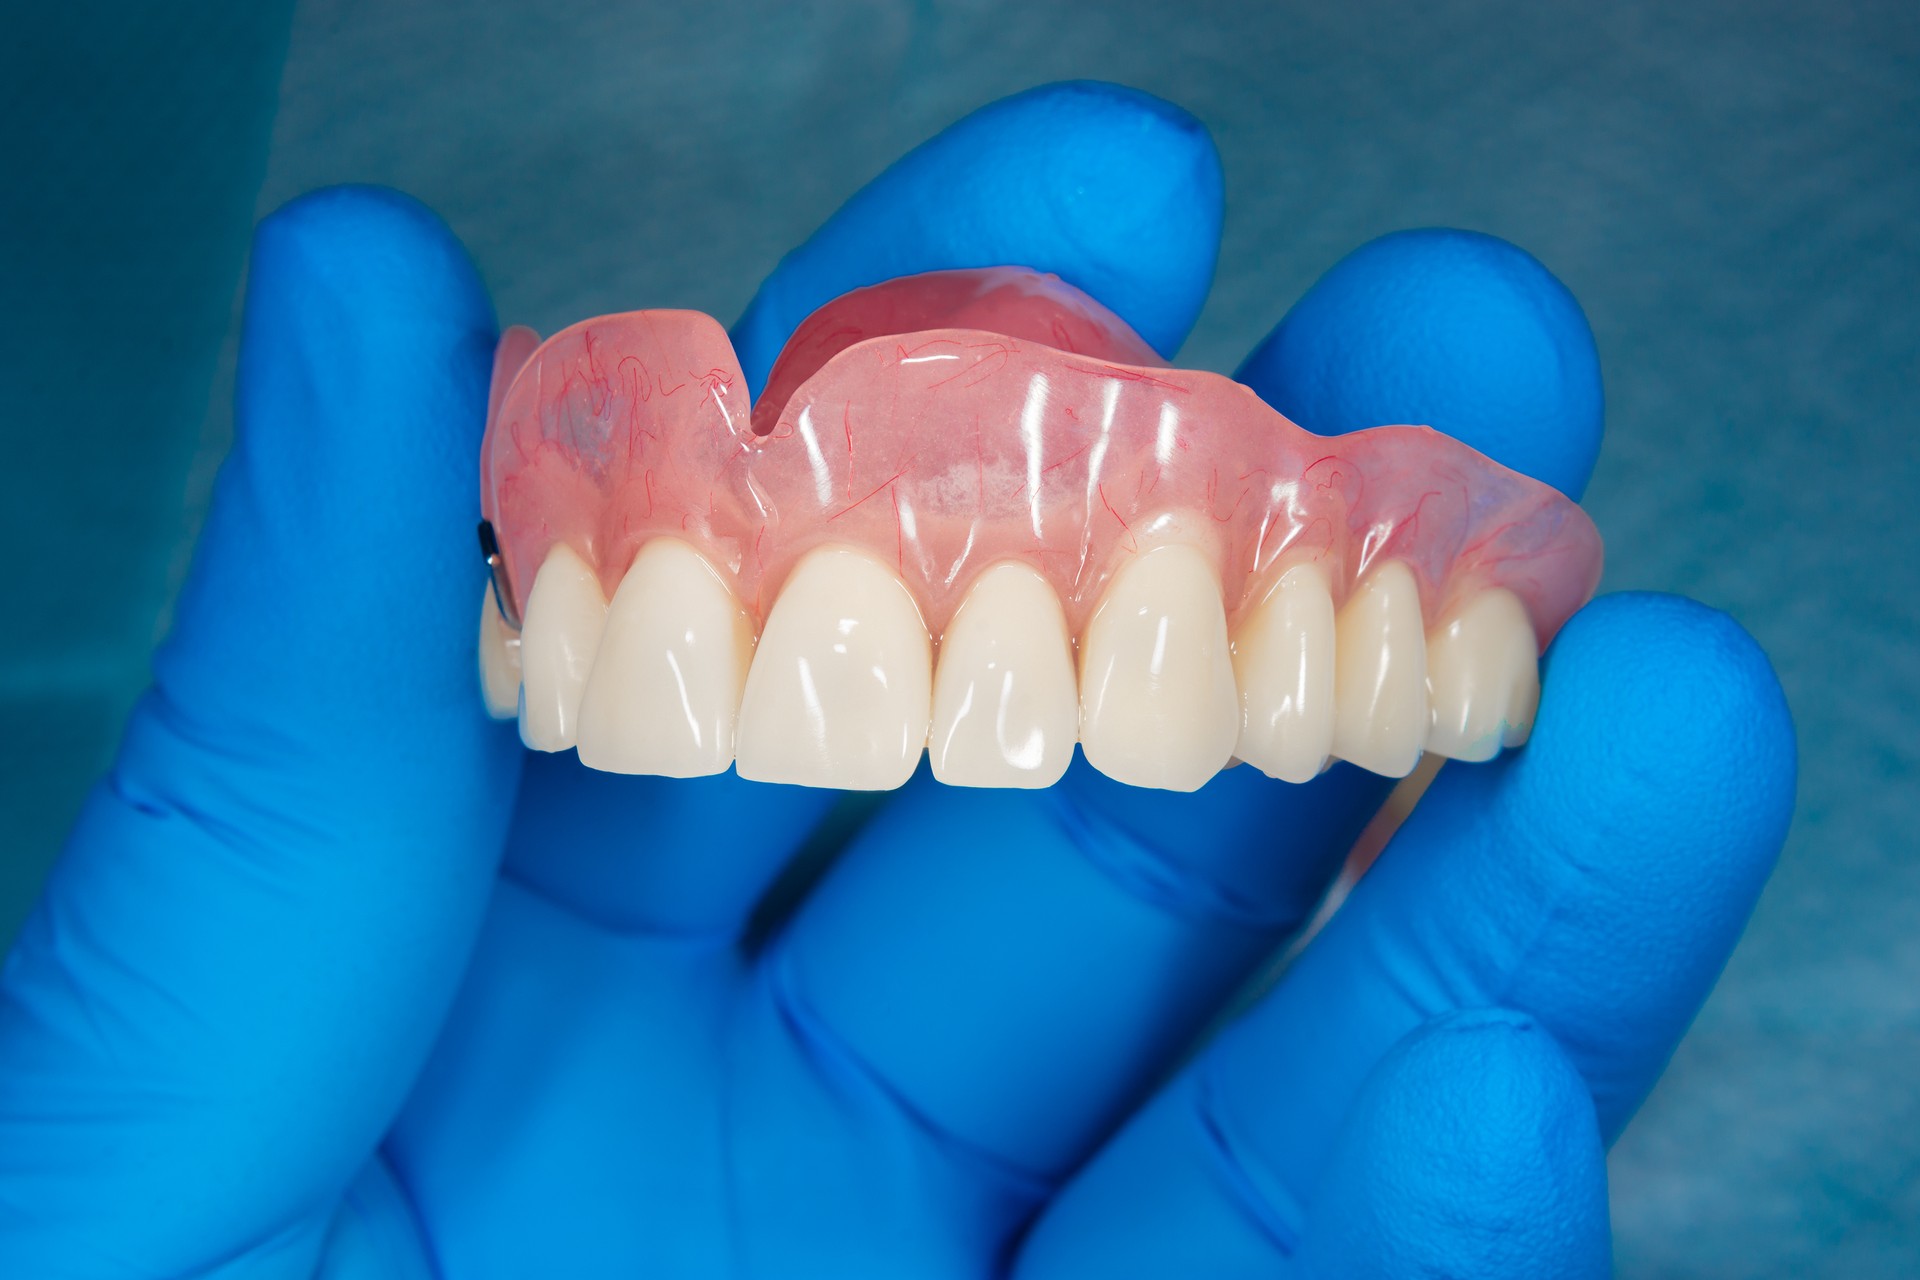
<point x="946" y="449"/>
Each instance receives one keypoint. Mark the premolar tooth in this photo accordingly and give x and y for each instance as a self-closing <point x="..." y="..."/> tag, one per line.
<point x="1283" y="661"/>
<point x="1380" y="717"/>
<point x="499" y="660"/>
<point x="841" y="687"/>
<point x="1004" y="709"/>
<point x="1484" y="670"/>
<point x="1157" y="702"/>
<point x="565" y="615"/>
<point x="665" y="688"/>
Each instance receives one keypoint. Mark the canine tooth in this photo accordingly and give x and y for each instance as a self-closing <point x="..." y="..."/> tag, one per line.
<point x="1380" y="715"/>
<point x="1283" y="661"/>
<point x="499" y="661"/>
<point x="840" y="689"/>
<point x="1483" y="668"/>
<point x="1157" y="702"/>
<point x="665" y="688"/>
<point x="1004" y="709"/>
<point x="565" y="615"/>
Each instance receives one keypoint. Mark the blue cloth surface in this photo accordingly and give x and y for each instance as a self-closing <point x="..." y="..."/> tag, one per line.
<point x="1728" y="191"/>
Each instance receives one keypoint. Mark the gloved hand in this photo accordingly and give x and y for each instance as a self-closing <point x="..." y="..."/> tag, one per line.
<point x="333" y="977"/>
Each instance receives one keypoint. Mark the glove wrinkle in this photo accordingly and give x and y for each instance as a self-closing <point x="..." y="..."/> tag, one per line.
<point x="1154" y="874"/>
<point x="834" y="1056"/>
<point x="1252" y="1187"/>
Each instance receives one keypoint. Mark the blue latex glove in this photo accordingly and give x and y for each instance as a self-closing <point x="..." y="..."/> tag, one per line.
<point x="334" y="978"/>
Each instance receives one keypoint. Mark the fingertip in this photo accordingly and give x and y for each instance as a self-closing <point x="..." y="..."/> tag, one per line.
<point x="1136" y="201"/>
<point x="1114" y="190"/>
<point x="1483" y="1078"/>
<point x="1471" y="1149"/>
<point x="376" y="250"/>
<point x="1456" y="330"/>
<point x="1664" y="725"/>
<point x="366" y="347"/>
<point x="343" y="517"/>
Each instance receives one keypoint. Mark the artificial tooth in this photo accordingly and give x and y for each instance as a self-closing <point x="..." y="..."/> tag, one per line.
<point x="1380" y="674"/>
<point x="499" y="660"/>
<point x="565" y="615"/>
<point x="1283" y="661"/>
<point x="1004" y="709"/>
<point x="665" y="688"/>
<point x="1157" y="702"/>
<point x="1483" y="668"/>
<point x="840" y="689"/>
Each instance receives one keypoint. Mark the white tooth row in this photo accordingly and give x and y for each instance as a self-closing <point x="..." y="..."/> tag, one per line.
<point x="842" y="689"/>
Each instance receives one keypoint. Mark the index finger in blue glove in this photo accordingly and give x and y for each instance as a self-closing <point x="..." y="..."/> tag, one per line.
<point x="1104" y="186"/>
<point x="253" y="933"/>
<point x="1594" y="881"/>
<point x="1050" y="955"/>
<point x="1454" y="330"/>
<point x="1111" y="189"/>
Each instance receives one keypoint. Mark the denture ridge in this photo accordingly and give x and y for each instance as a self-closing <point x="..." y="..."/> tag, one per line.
<point x="947" y="450"/>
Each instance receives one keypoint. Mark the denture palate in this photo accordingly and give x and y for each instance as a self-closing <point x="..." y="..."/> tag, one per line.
<point x="974" y="516"/>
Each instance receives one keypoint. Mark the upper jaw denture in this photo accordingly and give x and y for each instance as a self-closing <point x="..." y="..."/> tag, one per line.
<point x="973" y="514"/>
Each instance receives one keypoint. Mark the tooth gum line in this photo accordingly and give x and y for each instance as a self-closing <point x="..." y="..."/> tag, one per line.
<point x="1155" y="692"/>
<point x="947" y="451"/>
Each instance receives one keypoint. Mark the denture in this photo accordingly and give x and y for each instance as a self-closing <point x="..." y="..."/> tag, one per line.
<point x="974" y="515"/>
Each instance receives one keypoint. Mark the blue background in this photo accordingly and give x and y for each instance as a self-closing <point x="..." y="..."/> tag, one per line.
<point x="1729" y="189"/>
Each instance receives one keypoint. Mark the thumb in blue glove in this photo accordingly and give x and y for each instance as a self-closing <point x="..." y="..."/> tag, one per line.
<point x="1471" y="1149"/>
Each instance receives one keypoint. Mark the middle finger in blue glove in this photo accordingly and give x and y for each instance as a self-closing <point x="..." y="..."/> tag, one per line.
<point x="1019" y="967"/>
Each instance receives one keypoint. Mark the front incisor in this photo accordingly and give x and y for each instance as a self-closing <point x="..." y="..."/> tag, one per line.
<point x="565" y="615"/>
<point x="1380" y="716"/>
<point x="1157" y="702"/>
<point x="840" y="689"/>
<point x="1283" y="656"/>
<point x="1004" y="709"/>
<point x="666" y="683"/>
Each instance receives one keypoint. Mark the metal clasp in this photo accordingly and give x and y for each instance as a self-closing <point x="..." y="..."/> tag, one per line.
<point x="502" y="585"/>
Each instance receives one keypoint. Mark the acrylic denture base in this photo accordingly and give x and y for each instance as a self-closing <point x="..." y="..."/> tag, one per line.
<point x="1178" y="574"/>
